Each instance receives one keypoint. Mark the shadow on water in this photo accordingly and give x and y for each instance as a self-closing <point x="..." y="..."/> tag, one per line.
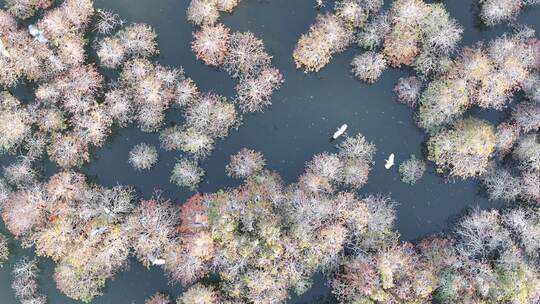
<point x="304" y="114"/>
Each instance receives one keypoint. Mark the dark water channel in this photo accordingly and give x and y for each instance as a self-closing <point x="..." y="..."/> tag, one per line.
<point x="304" y="113"/>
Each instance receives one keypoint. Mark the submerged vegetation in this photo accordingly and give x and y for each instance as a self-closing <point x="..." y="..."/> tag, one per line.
<point x="264" y="239"/>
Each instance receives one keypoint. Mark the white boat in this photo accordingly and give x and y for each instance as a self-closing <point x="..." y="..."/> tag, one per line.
<point x="389" y="161"/>
<point x="340" y="131"/>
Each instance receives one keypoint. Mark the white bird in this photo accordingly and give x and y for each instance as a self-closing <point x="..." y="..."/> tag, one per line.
<point x="159" y="262"/>
<point x="33" y="30"/>
<point x="37" y="33"/>
<point x="389" y="161"/>
<point x="319" y="4"/>
<point x="340" y="131"/>
<point x="156" y="261"/>
<point x="41" y="38"/>
<point x="3" y="50"/>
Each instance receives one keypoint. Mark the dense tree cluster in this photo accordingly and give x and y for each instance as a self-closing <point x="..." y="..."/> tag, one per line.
<point x="497" y="11"/>
<point x="152" y="227"/>
<point x="25" y="9"/>
<point x="49" y="48"/>
<point x="243" y="56"/>
<point x="504" y="156"/>
<point x="204" y="12"/>
<point x="332" y="33"/>
<point x="489" y="256"/>
<point x="349" y="167"/>
<point x="262" y="238"/>
<point x="136" y="40"/>
<point x="265" y="239"/>
<point x="422" y="35"/>
<point x="79" y="226"/>
<point x="483" y="75"/>
<point x="464" y="149"/>
<point x="412" y="33"/>
<point x="66" y="117"/>
<point x="15" y="122"/>
<point x="517" y="176"/>
<point x="76" y="107"/>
